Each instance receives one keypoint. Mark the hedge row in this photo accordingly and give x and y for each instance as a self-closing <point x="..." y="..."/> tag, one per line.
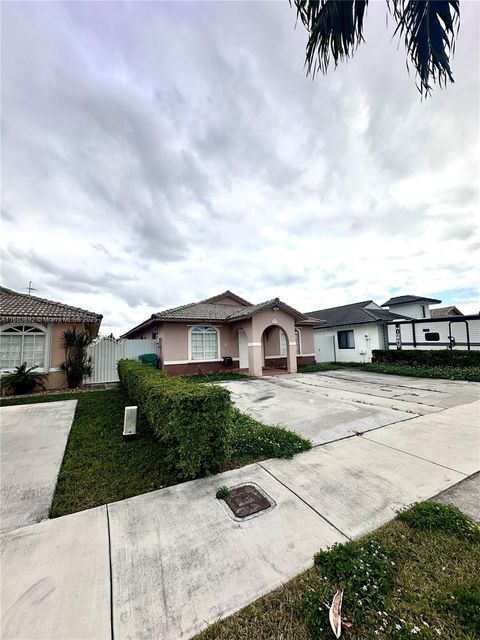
<point x="428" y="357"/>
<point x="193" y="421"/>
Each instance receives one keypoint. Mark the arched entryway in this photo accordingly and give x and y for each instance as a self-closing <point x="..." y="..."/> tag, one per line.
<point x="275" y="349"/>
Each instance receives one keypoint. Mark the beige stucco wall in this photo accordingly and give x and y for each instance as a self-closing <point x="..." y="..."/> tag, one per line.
<point x="57" y="353"/>
<point x="307" y="341"/>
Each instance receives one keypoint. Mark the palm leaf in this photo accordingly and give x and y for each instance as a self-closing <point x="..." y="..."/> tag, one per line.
<point x="335" y="28"/>
<point x="429" y="28"/>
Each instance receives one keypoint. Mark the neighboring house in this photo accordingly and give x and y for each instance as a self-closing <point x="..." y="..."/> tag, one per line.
<point x="203" y="336"/>
<point x="350" y="332"/>
<point x="445" y="312"/>
<point x="411" y="306"/>
<point x="31" y="331"/>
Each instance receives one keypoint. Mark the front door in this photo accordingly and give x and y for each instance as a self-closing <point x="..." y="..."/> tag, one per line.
<point x="242" y="349"/>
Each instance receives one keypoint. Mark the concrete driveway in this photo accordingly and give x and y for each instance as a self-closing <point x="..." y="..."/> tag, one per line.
<point x="33" y="439"/>
<point x="167" y="563"/>
<point x="325" y="407"/>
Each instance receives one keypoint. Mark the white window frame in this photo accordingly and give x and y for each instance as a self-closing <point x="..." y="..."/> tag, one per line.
<point x="190" y="354"/>
<point x="299" y="341"/>
<point x="45" y="330"/>
<point x="283" y="343"/>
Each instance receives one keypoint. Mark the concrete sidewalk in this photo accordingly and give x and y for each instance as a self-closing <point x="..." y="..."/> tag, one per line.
<point x="33" y="439"/>
<point x="167" y="563"/>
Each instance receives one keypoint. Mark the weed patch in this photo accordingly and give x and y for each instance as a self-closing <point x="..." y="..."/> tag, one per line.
<point x="252" y="438"/>
<point x="427" y="516"/>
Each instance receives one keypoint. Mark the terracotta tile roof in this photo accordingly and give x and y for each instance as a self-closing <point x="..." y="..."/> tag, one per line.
<point x="211" y="311"/>
<point x="21" y="307"/>
<point x="248" y="312"/>
<point x="198" y="311"/>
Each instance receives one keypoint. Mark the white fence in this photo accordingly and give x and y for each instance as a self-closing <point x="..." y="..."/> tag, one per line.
<point x="106" y="352"/>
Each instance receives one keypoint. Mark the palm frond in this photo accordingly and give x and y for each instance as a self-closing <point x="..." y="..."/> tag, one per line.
<point x="335" y="30"/>
<point x="429" y="28"/>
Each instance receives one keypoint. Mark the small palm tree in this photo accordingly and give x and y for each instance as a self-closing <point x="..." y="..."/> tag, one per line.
<point x="429" y="27"/>
<point x="24" y="380"/>
<point x="77" y="364"/>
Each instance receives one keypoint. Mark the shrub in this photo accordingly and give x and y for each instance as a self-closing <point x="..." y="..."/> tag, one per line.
<point x="193" y="421"/>
<point x="472" y="374"/>
<point x="252" y="438"/>
<point x="427" y="357"/>
<point x="441" y="517"/>
<point x="23" y="380"/>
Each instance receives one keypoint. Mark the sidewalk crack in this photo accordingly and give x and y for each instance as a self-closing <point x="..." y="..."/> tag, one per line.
<point x="305" y="502"/>
<point x="389" y="446"/>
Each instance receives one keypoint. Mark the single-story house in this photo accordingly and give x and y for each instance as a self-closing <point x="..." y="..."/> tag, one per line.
<point x="206" y="336"/>
<point x="31" y="331"/>
<point x="350" y="332"/>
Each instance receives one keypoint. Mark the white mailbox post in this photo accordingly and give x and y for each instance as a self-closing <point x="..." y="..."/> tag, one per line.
<point x="130" y="422"/>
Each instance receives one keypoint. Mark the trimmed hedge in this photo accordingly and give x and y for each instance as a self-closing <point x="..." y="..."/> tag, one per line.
<point x="427" y="357"/>
<point x="193" y="421"/>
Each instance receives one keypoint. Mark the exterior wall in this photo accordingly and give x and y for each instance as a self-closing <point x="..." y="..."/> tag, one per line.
<point x="197" y="368"/>
<point x="363" y="346"/>
<point x="55" y="354"/>
<point x="409" y="341"/>
<point x="175" y="342"/>
<point x="307" y="342"/>
<point x="410" y="309"/>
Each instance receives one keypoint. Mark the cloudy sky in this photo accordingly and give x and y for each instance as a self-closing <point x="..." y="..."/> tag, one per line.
<point x="158" y="153"/>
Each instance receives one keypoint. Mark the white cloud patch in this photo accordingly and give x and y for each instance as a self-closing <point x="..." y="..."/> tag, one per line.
<point x="158" y="153"/>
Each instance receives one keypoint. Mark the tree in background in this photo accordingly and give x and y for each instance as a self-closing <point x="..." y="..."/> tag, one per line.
<point x="429" y="28"/>
<point x="77" y="364"/>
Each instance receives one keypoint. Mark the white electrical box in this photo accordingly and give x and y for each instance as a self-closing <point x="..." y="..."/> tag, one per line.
<point x="130" y="421"/>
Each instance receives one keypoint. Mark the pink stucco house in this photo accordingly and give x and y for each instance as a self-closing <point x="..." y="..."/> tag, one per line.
<point x="197" y="337"/>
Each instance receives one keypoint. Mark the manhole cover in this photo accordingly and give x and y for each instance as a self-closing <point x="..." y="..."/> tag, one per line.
<point x="246" y="500"/>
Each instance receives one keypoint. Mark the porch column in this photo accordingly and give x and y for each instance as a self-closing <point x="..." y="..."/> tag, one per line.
<point x="292" y="359"/>
<point x="255" y="359"/>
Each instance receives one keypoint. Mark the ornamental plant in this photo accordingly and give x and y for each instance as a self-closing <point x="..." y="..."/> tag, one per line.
<point x="24" y="380"/>
<point x="77" y="364"/>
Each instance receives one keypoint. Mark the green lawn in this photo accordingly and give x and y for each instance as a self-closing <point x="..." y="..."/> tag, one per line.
<point x="414" y="578"/>
<point x="471" y="374"/>
<point x="99" y="466"/>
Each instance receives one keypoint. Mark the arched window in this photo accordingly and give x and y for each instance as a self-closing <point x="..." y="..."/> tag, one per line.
<point x="22" y="343"/>
<point x="204" y="343"/>
<point x="283" y="343"/>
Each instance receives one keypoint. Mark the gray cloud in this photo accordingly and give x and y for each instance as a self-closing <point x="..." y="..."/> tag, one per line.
<point x="156" y="153"/>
